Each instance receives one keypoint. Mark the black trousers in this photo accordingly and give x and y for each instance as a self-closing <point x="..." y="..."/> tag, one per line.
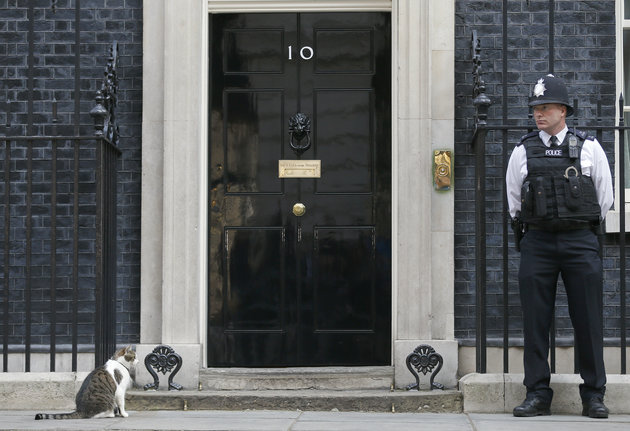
<point x="573" y="254"/>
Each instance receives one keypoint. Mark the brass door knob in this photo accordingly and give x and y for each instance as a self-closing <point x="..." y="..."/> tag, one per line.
<point x="299" y="209"/>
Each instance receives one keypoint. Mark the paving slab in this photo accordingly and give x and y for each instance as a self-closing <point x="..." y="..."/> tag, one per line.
<point x="343" y="421"/>
<point x="503" y="422"/>
<point x="158" y="420"/>
<point x="276" y="420"/>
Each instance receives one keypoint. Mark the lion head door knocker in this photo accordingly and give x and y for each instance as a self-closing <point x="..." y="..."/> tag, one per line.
<point x="300" y="128"/>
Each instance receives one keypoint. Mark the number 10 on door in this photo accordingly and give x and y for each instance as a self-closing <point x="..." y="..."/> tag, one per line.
<point x="306" y="52"/>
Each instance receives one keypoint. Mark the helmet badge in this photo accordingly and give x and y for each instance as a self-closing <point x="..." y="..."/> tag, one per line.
<point x="539" y="89"/>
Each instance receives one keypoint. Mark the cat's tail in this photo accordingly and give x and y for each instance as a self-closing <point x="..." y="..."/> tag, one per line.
<point x="73" y="415"/>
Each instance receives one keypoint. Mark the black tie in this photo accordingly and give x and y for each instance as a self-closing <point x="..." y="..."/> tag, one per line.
<point x="554" y="141"/>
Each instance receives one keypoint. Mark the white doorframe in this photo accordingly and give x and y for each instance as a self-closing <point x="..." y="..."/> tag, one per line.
<point x="174" y="157"/>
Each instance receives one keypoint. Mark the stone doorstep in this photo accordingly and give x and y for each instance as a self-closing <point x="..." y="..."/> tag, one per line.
<point x="297" y="388"/>
<point x="500" y="393"/>
<point x="478" y="393"/>
<point x="436" y="401"/>
<point x="295" y="378"/>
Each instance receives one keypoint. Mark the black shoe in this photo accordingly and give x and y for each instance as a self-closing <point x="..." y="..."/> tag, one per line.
<point x="595" y="408"/>
<point x="533" y="406"/>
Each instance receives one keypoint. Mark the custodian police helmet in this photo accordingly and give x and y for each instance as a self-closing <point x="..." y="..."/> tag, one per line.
<point x="550" y="89"/>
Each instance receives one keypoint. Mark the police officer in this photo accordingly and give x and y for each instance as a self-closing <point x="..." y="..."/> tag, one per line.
<point x="559" y="189"/>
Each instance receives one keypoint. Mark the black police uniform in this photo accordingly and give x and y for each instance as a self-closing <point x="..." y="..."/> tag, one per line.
<point x="560" y="208"/>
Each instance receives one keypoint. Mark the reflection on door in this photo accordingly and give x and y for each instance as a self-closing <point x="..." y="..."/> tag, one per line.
<point x="305" y="287"/>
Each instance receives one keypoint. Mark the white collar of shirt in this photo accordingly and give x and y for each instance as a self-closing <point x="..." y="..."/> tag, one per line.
<point x="546" y="136"/>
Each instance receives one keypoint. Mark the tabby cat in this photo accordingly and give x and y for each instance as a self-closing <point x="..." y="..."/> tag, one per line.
<point x="102" y="394"/>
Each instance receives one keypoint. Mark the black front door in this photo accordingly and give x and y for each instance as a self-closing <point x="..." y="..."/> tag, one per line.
<point x="310" y="289"/>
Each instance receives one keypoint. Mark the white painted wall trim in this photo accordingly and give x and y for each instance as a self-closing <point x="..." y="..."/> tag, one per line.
<point x="394" y="184"/>
<point x="175" y="143"/>
<point x="152" y="205"/>
<point x="229" y="6"/>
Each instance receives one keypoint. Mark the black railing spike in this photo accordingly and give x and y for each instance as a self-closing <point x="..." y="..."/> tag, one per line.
<point x="622" y="236"/>
<point x="481" y="101"/>
<point x="8" y="114"/>
<point x="99" y="114"/>
<point x="600" y="121"/>
<point x="55" y="118"/>
<point x="621" y="120"/>
<point x="104" y="111"/>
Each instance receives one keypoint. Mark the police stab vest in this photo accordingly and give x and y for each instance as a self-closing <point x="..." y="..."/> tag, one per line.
<point x="555" y="193"/>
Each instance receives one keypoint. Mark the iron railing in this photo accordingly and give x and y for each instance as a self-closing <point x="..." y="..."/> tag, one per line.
<point x="507" y="131"/>
<point x="58" y="215"/>
<point x="58" y="246"/>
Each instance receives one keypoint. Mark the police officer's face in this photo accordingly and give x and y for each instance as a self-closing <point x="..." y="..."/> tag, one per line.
<point x="550" y="117"/>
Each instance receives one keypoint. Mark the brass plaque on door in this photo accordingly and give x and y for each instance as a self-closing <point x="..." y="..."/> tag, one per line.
<point x="299" y="168"/>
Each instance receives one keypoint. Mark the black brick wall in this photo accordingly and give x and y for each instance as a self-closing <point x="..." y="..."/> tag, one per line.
<point x="583" y="55"/>
<point x="101" y="23"/>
